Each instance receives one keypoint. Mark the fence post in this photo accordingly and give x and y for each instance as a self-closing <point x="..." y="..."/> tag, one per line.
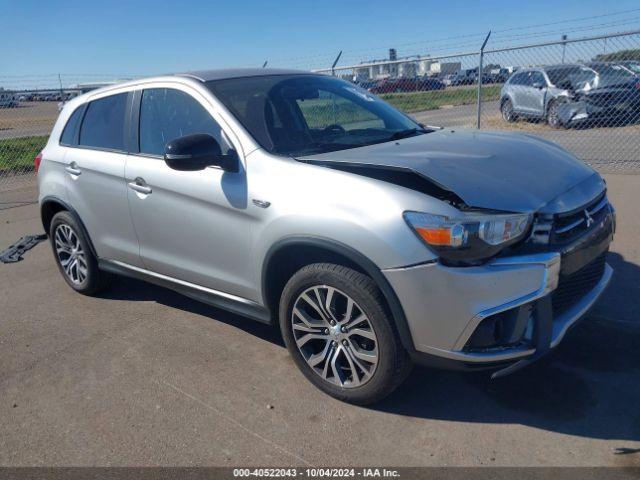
<point x="480" y="79"/>
<point x="335" y="62"/>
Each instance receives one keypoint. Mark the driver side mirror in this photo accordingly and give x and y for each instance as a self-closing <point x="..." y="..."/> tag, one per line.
<point x="538" y="85"/>
<point x="197" y="152"/>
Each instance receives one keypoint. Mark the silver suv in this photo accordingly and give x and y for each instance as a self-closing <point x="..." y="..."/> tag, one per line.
<point x="565" y="95"/>
<point x="305" y="201"/>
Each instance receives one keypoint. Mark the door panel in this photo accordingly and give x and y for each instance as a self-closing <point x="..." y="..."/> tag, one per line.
<point x="96" y="189"/>
<point x="535" y="96"/>
<point x="95" y="178"/>
<point x="192" y="226"/>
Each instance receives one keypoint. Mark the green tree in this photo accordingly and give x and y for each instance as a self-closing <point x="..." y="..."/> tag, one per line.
<point x="631" y="54"/>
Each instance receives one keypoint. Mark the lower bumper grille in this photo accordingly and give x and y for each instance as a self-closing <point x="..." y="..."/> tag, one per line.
<point x="571" y="288"/>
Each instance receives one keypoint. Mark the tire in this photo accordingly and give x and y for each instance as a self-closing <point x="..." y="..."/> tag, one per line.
<point x="508" y="114"/>
<point x="69" y="243"/>
<point x="553" y="120"/>
<point x="339" y="351"/>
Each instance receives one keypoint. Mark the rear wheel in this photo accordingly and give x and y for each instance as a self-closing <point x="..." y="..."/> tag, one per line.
<point x="73" y="255"/>
<point x="336" y="327"/>
<point x="508" y="114"/>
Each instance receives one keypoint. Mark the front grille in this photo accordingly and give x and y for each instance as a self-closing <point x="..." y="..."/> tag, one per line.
<point x="569" y="226"/>
<point x="571" y="288"/>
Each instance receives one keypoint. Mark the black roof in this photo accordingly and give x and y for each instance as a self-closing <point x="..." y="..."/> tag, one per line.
<point x="221" y="74"/>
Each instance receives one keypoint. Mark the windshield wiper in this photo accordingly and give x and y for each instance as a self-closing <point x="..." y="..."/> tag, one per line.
<point x="410" y="132"/>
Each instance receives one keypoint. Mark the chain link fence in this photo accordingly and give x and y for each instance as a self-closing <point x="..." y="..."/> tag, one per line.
<point x="583" y="94"/>
<point x="29" y="107"/>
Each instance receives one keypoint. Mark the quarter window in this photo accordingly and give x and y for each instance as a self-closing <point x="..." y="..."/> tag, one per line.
<point x="103" y="124"/>
<point x="69" y="134"/>
<point x="167" y="114"/>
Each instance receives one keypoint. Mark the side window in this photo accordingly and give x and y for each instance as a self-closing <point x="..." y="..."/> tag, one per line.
<point x="517" y="79"/>
<point x="526" y="79"/>
<point x="167" y="114"/>
<point x="537" y="77"/>
<point x="103" y="124"/>
<point x="69" y="134"/>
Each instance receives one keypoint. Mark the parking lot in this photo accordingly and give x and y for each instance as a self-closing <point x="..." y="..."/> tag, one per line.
<point x="143" y="376"/>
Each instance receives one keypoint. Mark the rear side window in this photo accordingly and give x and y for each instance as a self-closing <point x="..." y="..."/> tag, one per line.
<point x="103" y="124"/>
<point x="70" y="132"/>
<point x="167" y="114"/>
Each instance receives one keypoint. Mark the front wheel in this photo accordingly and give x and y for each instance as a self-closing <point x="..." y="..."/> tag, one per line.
<point x="553" y="119"/>
<point x="335" y="325"/>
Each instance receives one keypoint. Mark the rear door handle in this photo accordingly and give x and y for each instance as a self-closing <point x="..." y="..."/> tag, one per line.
<point x="73" y="169"/>
<point x="140" y="186"/>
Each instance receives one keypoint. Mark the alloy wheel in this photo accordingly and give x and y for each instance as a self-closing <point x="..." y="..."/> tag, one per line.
<point x="334" y="336"/>
<point x="507" y="111"/>
<point x="553" y="119"/>
<point x="70" y="254"/>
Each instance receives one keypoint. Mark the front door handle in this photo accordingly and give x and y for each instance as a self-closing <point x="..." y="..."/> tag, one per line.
<point x="73" y="169"/>
<point x="140" y="186"/>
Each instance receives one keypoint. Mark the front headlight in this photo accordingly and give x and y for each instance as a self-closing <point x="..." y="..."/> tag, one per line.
<point x="470" y="236"/>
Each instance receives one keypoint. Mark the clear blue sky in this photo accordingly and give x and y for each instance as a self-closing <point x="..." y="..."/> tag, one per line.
<point x="149" y="37"/>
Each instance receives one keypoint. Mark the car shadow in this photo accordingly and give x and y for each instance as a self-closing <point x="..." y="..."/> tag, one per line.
<point x="130" y="289"/>
<point x="586" y="387"/>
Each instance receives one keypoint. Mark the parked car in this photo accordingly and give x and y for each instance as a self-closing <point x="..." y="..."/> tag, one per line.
<point x="367" y="84"/>
<point x="464" y="77"/>
<point x="498" y="76"/>
<point x="446" y="79"/>
<point x="632" y="66"/>
<point x="407" y="85"/>
<point x="7" y="100"/>
<point x="568" y="95"/>
<point x="371" y="241"/>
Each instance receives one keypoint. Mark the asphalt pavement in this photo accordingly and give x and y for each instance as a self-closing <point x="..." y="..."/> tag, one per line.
<point x="140" y="375"/>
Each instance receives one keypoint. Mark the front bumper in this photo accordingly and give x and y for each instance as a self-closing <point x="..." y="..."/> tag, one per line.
<point x="445" y="306"/>
<point x="581" y="112"/>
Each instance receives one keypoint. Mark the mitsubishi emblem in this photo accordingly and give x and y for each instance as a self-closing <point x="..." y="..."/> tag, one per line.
<point x="590" y="220"/>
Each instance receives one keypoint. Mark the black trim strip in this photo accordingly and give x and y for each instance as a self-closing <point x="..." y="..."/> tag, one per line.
<point x="205" y="295"/>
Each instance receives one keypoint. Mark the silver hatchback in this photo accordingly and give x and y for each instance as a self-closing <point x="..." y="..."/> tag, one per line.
<point x="304" y="201"/>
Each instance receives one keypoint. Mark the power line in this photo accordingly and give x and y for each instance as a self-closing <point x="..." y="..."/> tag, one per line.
<point x="472" y="35"/>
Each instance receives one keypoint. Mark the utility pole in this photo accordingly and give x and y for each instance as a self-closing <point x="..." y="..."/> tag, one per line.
<point x="564" y="46"/>
<point x="60" y="82"/>
<point x="484" y="44"/>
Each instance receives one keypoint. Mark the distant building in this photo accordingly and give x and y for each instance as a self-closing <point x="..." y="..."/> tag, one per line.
<point x="413" y="67"/>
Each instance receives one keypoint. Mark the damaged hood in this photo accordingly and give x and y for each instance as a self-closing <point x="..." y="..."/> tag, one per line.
<point x="490" y="170"/>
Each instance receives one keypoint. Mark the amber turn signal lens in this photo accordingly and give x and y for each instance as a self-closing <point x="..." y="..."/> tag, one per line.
<point x="435" y="236"/>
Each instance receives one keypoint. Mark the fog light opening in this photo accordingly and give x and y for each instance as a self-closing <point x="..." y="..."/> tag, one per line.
<point x="508" y="329"/>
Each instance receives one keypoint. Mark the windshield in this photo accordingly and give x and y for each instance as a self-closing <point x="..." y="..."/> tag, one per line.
<point x="612" y="70"/>
<point x="310" y="114"/>
<point x="634" y="67"/>
<point x="576" y="75"/>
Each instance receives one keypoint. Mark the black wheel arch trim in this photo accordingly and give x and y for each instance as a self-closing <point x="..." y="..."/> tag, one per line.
<point x="358" y="258"/>
<point x="72" y="211"/>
